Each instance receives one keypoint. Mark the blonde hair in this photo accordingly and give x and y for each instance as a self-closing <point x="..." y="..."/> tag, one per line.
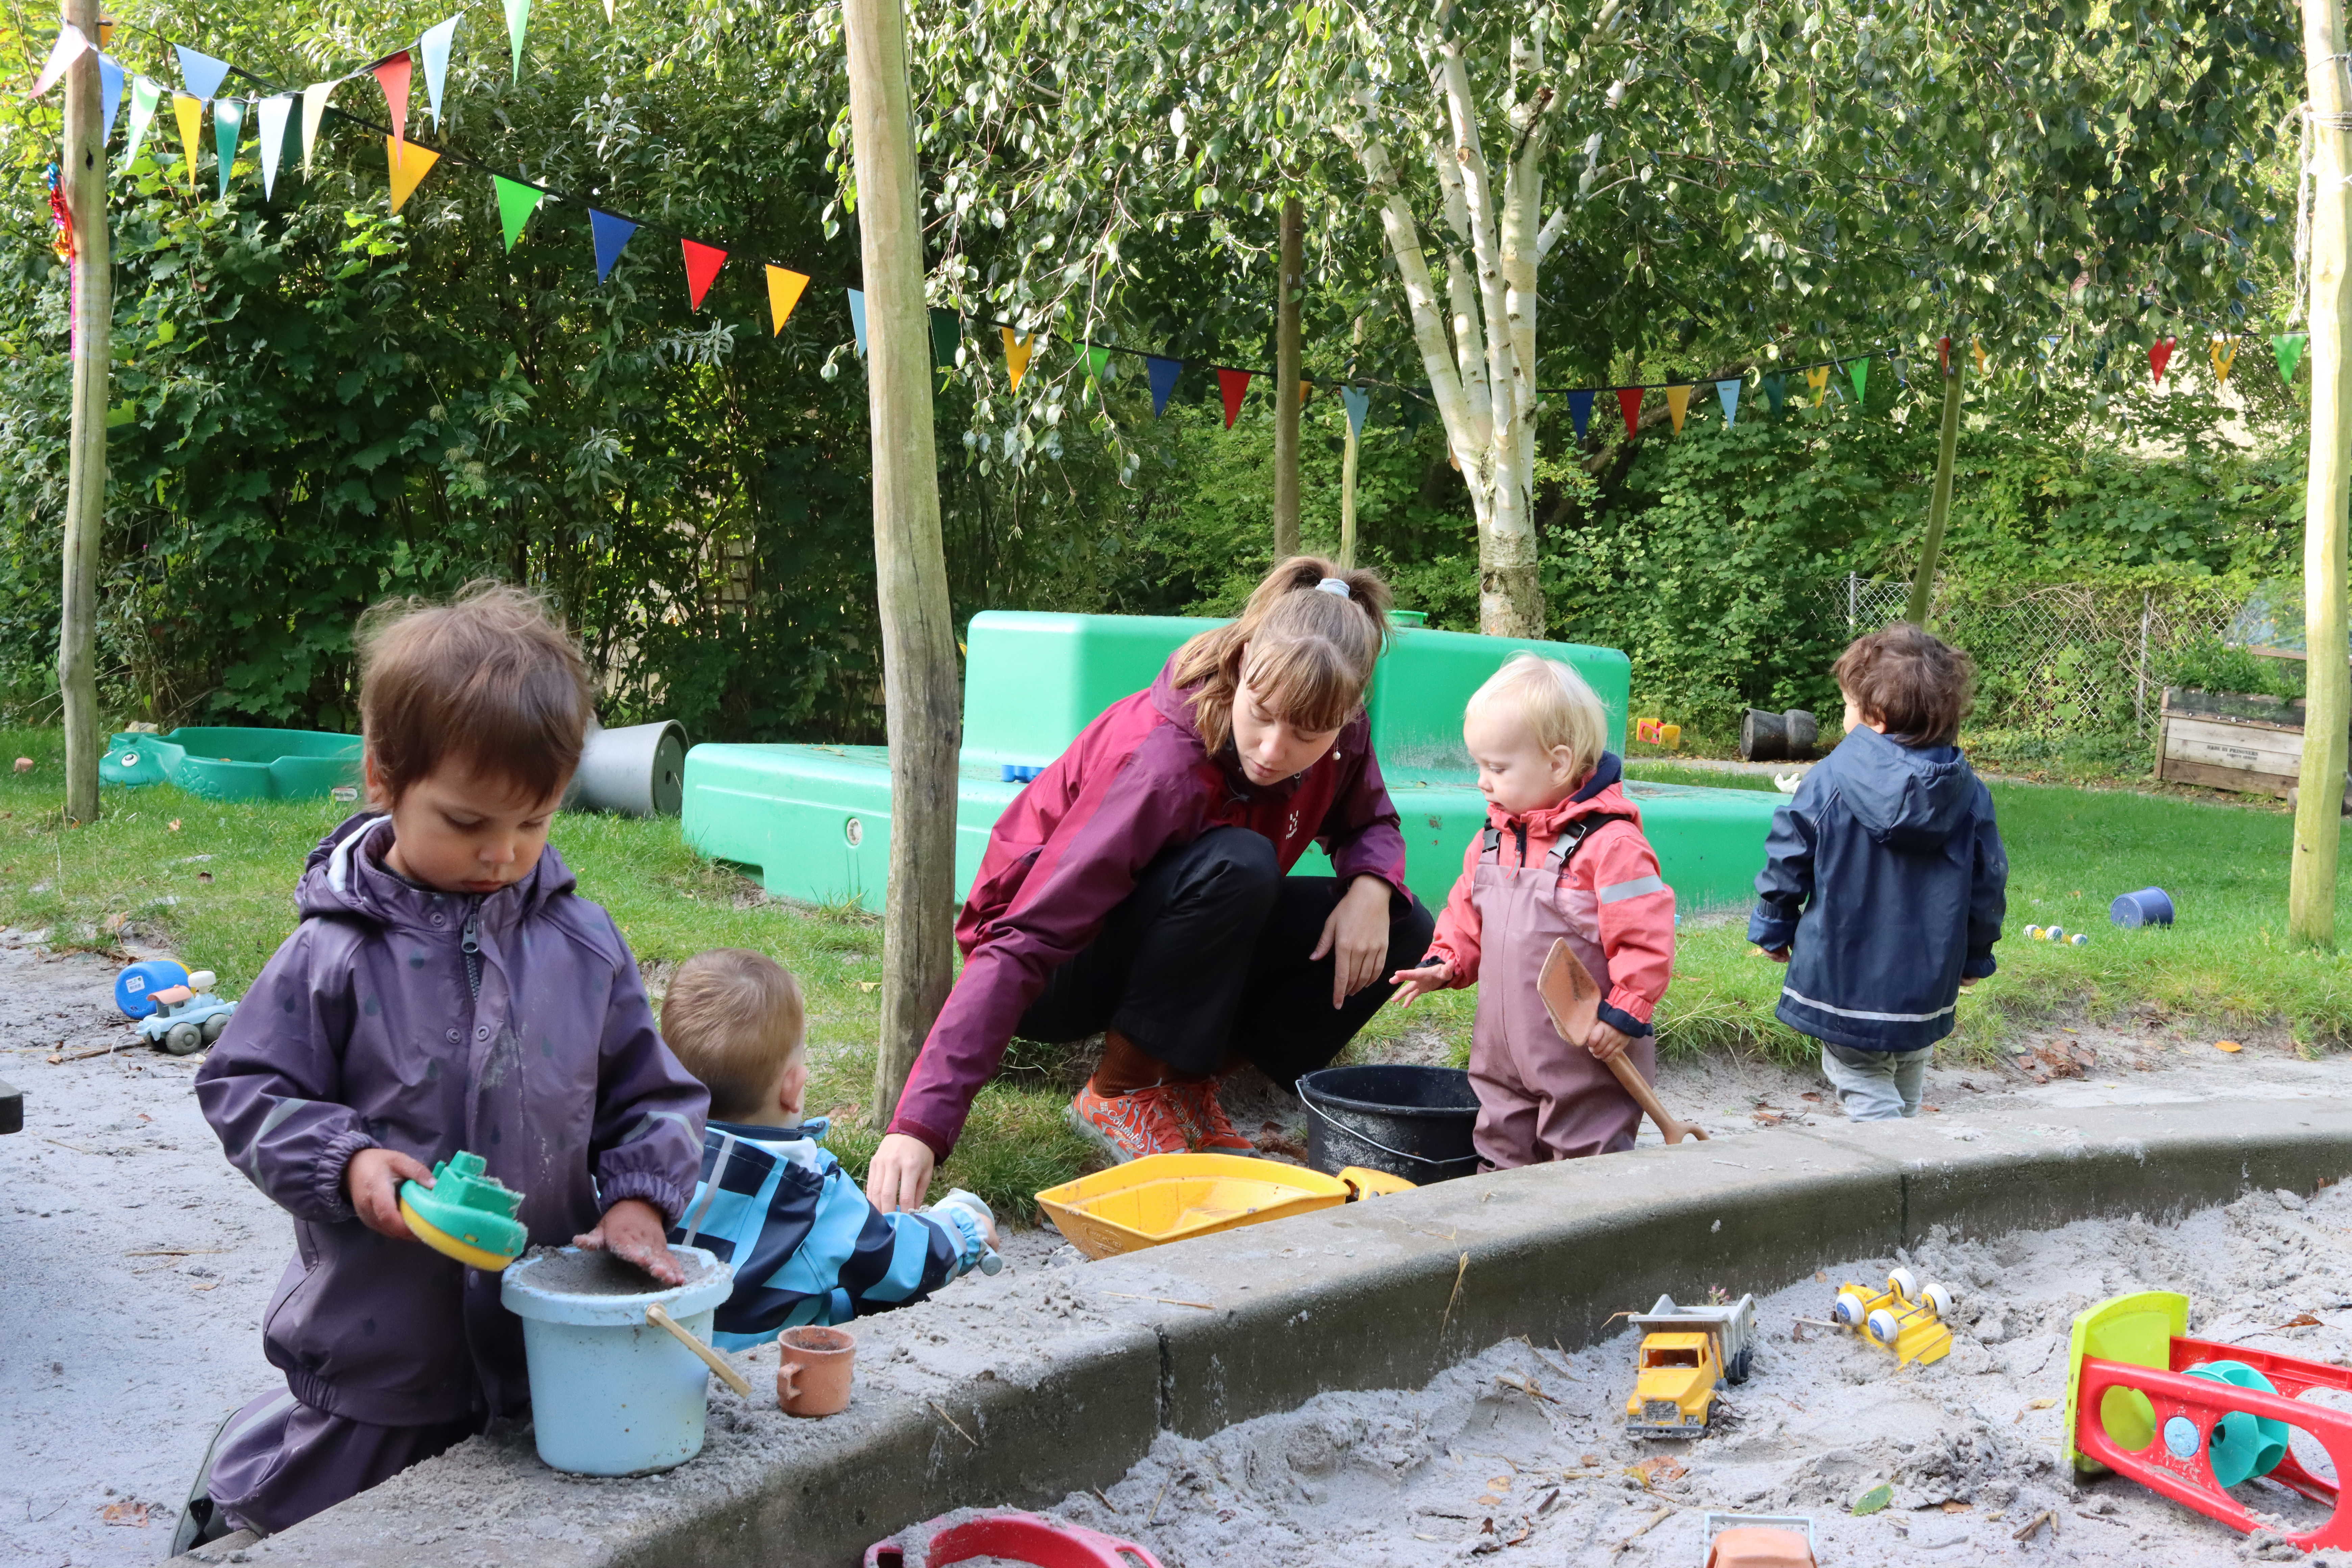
<point x="1554" y="702"/>
<point x="734" y="1017"/>
<point x="1309" y="652"/>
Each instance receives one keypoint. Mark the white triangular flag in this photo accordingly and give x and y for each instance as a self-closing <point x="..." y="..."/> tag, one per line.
<point x="71" y="42"/>
<point x="435" y="47"/>
<point x="314" y="107"/>
<point x="274" y="112"/>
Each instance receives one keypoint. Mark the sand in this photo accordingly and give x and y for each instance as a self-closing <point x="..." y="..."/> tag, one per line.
<point x="1520" y="1453"/>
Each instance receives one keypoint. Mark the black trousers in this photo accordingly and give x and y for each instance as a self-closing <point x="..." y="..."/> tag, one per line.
<point x="1207" y="959"/>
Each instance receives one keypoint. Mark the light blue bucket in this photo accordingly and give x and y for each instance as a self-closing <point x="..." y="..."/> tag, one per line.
<point x="612" y="1394"/>
<point x="2149" y="906"/>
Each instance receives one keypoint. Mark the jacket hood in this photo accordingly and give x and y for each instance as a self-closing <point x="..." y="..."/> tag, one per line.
<point x="1600" y="794"/>
<point x="1905" y="797"/>
<point x="345" y="875"/>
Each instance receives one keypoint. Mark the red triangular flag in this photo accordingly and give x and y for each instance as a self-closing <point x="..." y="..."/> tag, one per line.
<point x="1628" y="401"/>
<point x="2159" y="355"/>
<point x="702" y="265"/>
<point x="1234" y="385"/>
<point x="393" y="77"/>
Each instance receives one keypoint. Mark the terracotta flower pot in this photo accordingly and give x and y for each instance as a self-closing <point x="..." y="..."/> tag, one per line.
<point x="812" y="1375"/>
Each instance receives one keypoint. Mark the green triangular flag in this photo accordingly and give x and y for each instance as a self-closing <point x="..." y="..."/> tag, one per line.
<point x="144" y="97"/>
<point x="516" y="201"/>
<point x="946" y="328"/>
<point x="228" y="123"/>
<point x="2288" y="346"/>
<point x="1095" y="360"/>
<point x="517" y="18"/>
<point x="1858" y="370"/>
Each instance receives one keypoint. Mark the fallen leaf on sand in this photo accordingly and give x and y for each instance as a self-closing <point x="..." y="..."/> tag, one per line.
<point x="2231" y="1046"/>
<point x="1956" y="1506"/>
<point x="133" y="1513"/>
<point x="1499" y="1484"/>
<point x="207" y="1285"/>
<point x="869" y="986"/>
<point x="2040" y="1404"/>
<point x="175" y="825"/>
<point x="1657" y="1469"/>
<point x="1486" y="1499"/>
<point x="2300" y="1321"/>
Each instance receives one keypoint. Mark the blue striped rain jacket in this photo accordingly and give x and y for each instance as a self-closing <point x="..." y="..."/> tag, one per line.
<point x="807" y="1245"/>
<point x="1886" y="875"/>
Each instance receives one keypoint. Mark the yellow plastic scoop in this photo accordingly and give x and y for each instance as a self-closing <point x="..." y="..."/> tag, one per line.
<point x="1167" y="1198"/>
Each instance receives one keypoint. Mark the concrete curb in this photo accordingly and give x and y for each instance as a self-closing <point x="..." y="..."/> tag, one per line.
<point x="1061" y="1379"/>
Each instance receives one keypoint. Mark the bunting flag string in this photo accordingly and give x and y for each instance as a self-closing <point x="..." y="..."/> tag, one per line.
<point x="274" y="114"/>
<point x="2288" y="347"/>
<point x="435" y="47"/>
<point x="1017" y="350"/>
<point x="409" y="162"/>
<point x="1233" y="386"/>
<point x="1161" y="373"/>
<point x="189" y="113"/>
<point x="145" y="97"/>
<point x="1818" y="380"/>
<point x="110" y="97"/>
<point x="609" y="235"/>
<point x="702" y="265"/>
<point x="2159" y="355"/>
<point x="517" y="19"/>
<point x="393" y="75"/>
<point x="2225" y="355"/>
<point x="857" y="317"/>
<point x="1580" y="411"/>
<point x="314" y="109"/>
<point x="947" y="332"/>
<point x="1775" y="388"/>
<point x="1728" y="393"/>
<point x="1629" y="404"/>
<point x="1359" y="402"/>
<point x="516" y="202"/>
<point x="202" y="73"/>
<point x="1678" y="405"/>
<point x="1857" y="370"/>
<point x="71" y="42"/>
<point x="1098" y="361"/>
<point x="228" y="125"/>
<point x="784" y="287"/>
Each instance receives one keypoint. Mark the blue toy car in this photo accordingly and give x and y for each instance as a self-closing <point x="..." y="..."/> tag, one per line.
<point x="187" y="1018"/>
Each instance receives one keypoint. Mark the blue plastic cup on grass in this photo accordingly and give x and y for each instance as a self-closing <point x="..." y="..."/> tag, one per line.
<point x="2149" y="906"/>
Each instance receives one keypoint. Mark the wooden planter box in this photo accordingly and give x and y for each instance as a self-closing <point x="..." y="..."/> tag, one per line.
<point x="2230" y="740"/>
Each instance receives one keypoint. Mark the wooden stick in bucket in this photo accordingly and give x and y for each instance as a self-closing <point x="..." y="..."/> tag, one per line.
<point x="1574" y="1000"/>
<point x="659" y="1317"/>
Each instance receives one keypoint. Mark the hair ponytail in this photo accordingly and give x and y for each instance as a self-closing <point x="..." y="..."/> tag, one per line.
<point x="1310" y="649"/>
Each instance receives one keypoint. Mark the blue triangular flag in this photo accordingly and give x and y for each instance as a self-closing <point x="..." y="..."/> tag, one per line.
<point x="857" y="316"/>
<point x="1729" y="392"/>
<point x="109" y="95"/>
<point x="1164" y="373"/>
<point x="610" y="235"/>
<point x="201" y="72"/>
<point x="1580" y="411"/>
<point x="434" y="45"/>
<point x="1359" y="403"/>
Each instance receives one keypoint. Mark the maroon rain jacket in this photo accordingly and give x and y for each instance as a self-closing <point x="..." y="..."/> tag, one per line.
<point x="374" y="1026"/>
<point x="1071" y="847"/>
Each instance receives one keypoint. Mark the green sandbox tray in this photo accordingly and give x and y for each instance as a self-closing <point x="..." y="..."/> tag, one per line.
<point x="814" y="821"/>
<point x="234" y="764"/>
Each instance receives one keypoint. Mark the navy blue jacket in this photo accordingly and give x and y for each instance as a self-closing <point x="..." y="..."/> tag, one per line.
<point x="1886" y="875"/>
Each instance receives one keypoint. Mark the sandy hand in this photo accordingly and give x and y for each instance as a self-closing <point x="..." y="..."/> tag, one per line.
<point x="372" y="1181"/>
<point x="1413" y="984"/>
<point x="633" y="1230"/>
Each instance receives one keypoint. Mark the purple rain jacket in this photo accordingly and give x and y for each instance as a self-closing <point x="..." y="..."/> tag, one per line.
<point x="512" y="1024"/>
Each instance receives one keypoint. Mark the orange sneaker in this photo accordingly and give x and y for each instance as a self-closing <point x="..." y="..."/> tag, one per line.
<point x="1211" y="1130"/>
<point x="1129" y="1126"/>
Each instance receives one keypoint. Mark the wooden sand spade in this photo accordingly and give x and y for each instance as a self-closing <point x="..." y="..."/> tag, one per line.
<point x="1574" y="1000"/>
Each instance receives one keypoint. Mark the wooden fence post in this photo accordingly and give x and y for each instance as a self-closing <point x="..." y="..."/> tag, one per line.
<point x="2328" y="701"/>
<point x="1292" y="268"/>
<point x="81" y="166"/>
<point x="919" y="651"/>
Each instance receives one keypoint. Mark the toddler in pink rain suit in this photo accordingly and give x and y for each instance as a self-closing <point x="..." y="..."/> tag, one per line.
<point x="1562" y="855"/>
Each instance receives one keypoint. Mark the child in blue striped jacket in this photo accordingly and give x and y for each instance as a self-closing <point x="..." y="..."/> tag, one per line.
<point x="807" y="1245"/>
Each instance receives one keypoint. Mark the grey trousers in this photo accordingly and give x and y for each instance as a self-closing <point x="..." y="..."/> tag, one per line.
<point x="1877" y="1086"/>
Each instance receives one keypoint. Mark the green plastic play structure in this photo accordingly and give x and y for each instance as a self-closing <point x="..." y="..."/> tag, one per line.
<point x="814" y="821"/>
<point x="230" y="763"/>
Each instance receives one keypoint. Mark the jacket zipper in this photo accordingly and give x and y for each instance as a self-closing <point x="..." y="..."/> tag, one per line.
<point x="473" y="946"/>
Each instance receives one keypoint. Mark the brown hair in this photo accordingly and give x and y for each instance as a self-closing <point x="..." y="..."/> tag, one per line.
<point x="1311" y="652"/>
<point x="734" y="1017"/>
<point x="1917" y="685"/>
<point x="488" y="679"/>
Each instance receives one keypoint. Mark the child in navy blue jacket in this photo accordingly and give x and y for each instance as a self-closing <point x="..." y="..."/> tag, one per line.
<point x="1884" y="881"/>
<point x="771" y="1200"/>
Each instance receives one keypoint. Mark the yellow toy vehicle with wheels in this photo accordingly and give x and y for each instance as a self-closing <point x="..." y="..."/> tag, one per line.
<point x="1687" y="1353"/>
<point x="1906" y="1317"/>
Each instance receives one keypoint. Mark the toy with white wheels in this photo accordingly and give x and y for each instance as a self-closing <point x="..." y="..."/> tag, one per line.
<point x="1905" y="1317"/>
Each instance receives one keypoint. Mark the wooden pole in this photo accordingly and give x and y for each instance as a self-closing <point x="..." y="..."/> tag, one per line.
<point x="919" y="651"/>
<point x="1293" y="267"/>
<point x="1939" y="505"/>
<point x="1348" y="500"/>
<point x="2327" y="488"/>
<point x="82" y="165"/>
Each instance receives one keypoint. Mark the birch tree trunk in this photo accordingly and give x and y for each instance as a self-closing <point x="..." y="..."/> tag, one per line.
<point x="83" y="177"/>
<point x="1478" y="347"/>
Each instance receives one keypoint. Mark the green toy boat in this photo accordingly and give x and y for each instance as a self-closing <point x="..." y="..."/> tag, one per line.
<point x="466" y="1214"/>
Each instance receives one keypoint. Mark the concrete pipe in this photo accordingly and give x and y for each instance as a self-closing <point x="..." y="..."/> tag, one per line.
<point x="638" y="771"/>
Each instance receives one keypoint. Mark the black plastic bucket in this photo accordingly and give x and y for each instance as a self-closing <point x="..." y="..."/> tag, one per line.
<point x="1408" y="1121"/>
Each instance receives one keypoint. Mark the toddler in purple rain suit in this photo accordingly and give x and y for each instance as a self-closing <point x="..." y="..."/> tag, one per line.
<point x="447" y="989"/>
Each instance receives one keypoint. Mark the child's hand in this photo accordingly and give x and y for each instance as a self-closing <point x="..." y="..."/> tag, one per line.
<point x="634" y="1230"/>
<point x="1968" y="980"/>
<point x="1414" y="983"/>
<point x="1606" y="1040"/>
<point x="371" y="1181"/>
<point x="1777" y="955"/>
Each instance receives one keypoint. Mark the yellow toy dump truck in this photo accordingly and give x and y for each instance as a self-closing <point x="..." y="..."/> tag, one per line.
<point x="1687" y="1352"/>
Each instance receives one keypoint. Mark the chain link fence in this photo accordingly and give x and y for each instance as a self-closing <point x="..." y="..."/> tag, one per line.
<point x="2054" y="658"/>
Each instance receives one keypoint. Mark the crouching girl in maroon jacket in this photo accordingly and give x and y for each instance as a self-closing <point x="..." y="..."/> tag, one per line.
<point x="1138" y="887"/>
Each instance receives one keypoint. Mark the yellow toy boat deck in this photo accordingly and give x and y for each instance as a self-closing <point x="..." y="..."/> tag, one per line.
<point x="1168" y="1198"/>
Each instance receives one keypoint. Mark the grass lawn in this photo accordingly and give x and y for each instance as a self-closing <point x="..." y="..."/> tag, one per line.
<point x="2072" y="851"/>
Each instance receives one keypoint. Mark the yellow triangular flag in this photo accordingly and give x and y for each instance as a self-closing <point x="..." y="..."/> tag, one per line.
<point x="784" y="287"/>
<point x="190" y="112"/>
<point x="2225" y="354"/>
<point x="1818" y="378"/>
<point x="1306" y="391"/>
<point x="1677" y="404"/>
<point x="409" y="164"/>
<point x="1977" y="344"/>
<point x="1016" y="355"/>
